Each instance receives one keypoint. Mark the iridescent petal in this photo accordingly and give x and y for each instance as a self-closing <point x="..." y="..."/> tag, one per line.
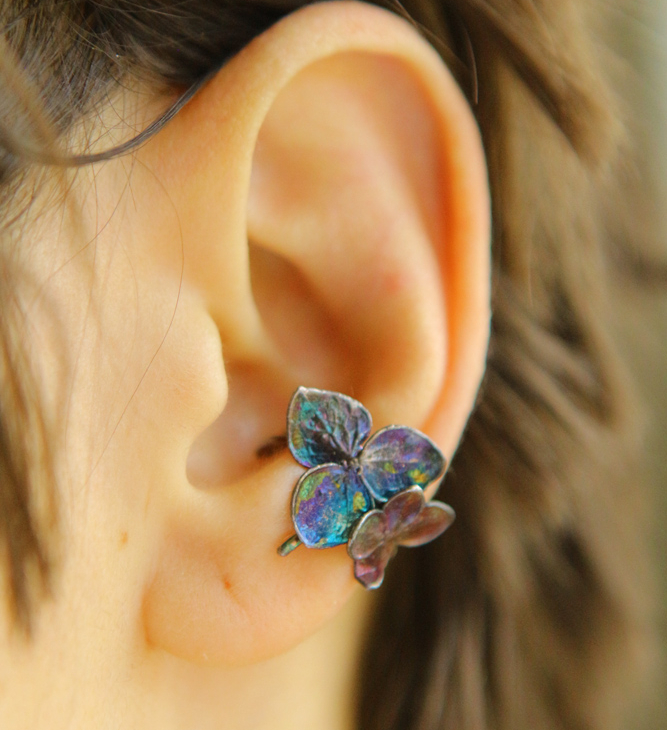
<point x="431" y="522"/>
<point x="326" y="503"/>
<point x="323" y="426"/>
<point x="398" y="457"/>
<point x="370" y="571"/>
<point x="368" y="534"/>
<point x="402" y="509"/>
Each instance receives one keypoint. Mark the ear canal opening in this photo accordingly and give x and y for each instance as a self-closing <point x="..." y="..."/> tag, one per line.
<point x="248" y="432"/>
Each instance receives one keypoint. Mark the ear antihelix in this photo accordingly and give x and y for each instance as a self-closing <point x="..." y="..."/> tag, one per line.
<point x="345" y="186"/>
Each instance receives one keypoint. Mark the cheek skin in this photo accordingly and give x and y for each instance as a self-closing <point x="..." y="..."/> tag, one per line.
<point x="130" y="370"/>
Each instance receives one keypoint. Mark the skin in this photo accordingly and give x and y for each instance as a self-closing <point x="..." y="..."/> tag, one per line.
<point x="318" y="215"/>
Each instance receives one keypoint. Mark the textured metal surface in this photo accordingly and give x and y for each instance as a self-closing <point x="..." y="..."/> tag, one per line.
<point x="398" y="457"/>
<point x="407" y="520"/>
<point x="325" y="427"/>
<point x="327" y="501"/>
<point x="350" y="475"/>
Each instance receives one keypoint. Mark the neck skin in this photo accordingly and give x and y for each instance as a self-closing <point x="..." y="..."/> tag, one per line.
<point x="63" y="683"/>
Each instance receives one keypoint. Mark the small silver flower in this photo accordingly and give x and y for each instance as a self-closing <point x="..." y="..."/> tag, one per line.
<point x="406" y="519"/>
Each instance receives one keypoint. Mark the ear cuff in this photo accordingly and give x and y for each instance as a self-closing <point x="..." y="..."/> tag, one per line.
<point x="366" y="492"/>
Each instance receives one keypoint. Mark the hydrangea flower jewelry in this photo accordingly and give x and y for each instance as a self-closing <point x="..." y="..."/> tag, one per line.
<point x="366" y="492"/>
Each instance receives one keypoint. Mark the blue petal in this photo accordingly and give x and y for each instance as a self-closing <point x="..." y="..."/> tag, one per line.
<point x="327" y="501"/>
<point x="325" y="427"/>
<point x="397" y="458"/>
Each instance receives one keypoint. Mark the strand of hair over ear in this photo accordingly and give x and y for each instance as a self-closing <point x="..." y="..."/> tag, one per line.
<point x="44" y="150"/>
<point x="47" y="155"/>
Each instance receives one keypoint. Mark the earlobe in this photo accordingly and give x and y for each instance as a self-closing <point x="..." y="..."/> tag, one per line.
<point x="330" y="197"/>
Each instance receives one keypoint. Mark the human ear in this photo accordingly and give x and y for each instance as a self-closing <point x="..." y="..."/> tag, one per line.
<point x="322" y="206"/>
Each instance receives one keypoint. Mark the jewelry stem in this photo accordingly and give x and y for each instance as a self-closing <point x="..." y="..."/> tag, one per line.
<point x="290" y="544"/>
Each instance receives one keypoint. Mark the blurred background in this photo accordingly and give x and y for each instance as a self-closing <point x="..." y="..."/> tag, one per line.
<point x="642" y="321"/>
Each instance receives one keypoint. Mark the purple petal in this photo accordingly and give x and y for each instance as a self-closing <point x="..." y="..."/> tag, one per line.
<point x="370" y="571"/>
<point x="398" y="457"/>
<point x="368" y="535"/>
<point x="402" y="509"/>
<point x="326" y="503"/>
<point x="432" y="521"/>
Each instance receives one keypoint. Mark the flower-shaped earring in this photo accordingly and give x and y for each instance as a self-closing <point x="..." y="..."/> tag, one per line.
<point x="407" y="520"/>
<point x="349" y="474"/>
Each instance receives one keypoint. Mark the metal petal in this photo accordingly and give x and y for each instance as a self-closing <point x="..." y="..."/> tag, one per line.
<point x="431" y="522"/>
<point x="370" y="571"/>
<point x="325" y="427"/>
<point x="398" y="457"/>
<point x="368" y="535"/>
<point x="326" y="503"/>
<point x="402" y="509"/>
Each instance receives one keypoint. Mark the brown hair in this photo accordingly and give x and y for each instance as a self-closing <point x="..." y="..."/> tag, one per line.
<point x="528" y="615"/>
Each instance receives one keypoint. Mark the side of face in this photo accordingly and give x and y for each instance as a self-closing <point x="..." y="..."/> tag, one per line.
<point x="318" y="215"/>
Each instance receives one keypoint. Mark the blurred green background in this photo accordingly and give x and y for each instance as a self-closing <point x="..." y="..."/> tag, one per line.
<point x="642" y="316"/>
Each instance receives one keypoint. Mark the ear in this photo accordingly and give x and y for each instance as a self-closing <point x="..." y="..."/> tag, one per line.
<point x="322" y="206"/>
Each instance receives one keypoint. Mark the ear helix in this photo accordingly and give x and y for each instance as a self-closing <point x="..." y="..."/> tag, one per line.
<point x="366" y="492"/>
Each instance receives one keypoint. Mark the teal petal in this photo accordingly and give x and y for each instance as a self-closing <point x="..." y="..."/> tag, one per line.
<point x="325" y="427"/>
